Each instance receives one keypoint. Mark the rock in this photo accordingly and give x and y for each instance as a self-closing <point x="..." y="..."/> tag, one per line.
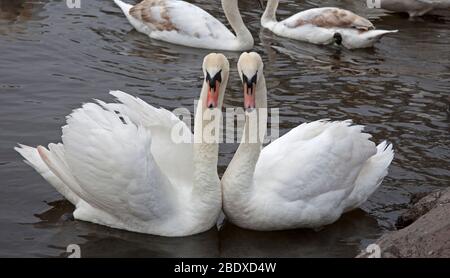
<point x="427" y="232"/>
<point x="421" y="203"/>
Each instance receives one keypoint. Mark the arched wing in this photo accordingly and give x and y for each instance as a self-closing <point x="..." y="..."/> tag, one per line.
<point x="110" y="159"/>
<point x="314" y="159"/>
<point x="172" y="139"/>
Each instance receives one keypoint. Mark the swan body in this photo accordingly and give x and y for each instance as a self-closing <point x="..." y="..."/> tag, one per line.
<point x="324" y="26"/>
<point x="305" y="179"/>
<point x="415" y="7"/>
<point x="183" y="23"/>
<point x="119" y="165"/>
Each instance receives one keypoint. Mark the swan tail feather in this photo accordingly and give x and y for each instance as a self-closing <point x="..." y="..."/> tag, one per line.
<point x="125" y="7"/>
<point x="135" y="22"/>
<point x="371" y="176"/>
<point x="378" y="34"/>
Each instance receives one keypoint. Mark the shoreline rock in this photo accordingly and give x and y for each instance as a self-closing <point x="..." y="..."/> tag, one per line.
<point x="424" y="230"/>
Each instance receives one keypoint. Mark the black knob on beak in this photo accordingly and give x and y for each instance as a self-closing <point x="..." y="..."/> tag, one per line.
<point x="250" y="82"/>
<point x="212" y="81"/>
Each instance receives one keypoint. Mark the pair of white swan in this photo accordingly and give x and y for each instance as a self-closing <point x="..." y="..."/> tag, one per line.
<point x="183" y="23"/>
<point x="119" y="165"/>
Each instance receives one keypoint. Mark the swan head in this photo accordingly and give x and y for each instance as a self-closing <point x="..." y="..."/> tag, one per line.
<point x="216" y="69"/>
<point x="337" y="38"/>
<point x="250" y="68"/>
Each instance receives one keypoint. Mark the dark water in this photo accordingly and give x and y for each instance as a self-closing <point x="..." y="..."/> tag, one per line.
<point x="53" y="58"/>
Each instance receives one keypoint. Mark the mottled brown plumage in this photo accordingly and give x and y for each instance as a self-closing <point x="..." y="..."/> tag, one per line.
<point x="143" y="12"/>
<point x="338" y="18"/>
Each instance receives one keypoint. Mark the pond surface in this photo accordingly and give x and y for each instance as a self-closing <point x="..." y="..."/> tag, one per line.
<point x="53" y="58"/>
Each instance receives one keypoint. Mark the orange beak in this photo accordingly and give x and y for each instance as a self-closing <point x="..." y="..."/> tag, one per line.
<point x="212" y="100"/>
<point x="249" y="96"/>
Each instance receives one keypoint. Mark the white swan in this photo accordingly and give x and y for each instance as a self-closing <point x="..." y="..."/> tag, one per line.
<point x="120" y="166"/>
<point x="414" y="7"/>
<point x="305" y="179"/>
<point x="183" y="23"/>
<point x="324" y="26"/>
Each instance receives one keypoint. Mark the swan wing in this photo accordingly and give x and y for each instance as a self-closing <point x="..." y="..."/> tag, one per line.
<point x="33" y="158"/>
<point x="318" y="160"/>
<point x="171" y="138"/>
<point x="179" y="17"/>
<point x="107" y="160"/>
<point x="372" y="174"/>
<point x="328" y="17"/>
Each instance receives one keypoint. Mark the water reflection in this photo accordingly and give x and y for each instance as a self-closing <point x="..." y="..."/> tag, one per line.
<point x="99" y="241"/>
<point x="12" y="10"/>
<point x="337" y="240"/>
<point x="13" y="13"/>
<point x="344" y="237"/>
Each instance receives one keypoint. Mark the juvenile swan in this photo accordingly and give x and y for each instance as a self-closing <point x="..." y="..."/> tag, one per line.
<point x="120" y="166"/>
<point x="323" y="26"/>
<point x="305" y="179"/>
<point x="183" y="23"/>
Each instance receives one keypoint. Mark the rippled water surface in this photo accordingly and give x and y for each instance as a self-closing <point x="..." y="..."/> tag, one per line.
<point x="53" y="58"/>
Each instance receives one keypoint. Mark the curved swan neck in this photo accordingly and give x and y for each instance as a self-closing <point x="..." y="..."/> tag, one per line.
<point x="239" y="174"/>
<point x="269" y="16"/>
<point x="243" y="35"/>
<point x="206" y="193"/>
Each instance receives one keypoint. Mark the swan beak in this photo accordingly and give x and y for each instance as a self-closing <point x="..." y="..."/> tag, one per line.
<point x="212" y="100"/>
<point x="249" y="92"/>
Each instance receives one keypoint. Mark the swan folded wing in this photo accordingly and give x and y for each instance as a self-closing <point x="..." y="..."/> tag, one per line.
<point x="181" y="17"/>
<point x="172" y="139"/>
<point x="313" y="160"/>
<point x="111" y="160"/>
<point x="329" y="18"/>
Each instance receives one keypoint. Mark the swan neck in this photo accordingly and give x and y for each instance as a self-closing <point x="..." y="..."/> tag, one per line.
<point x="206" y="193"/>
<point x="233" y="15"/>
<point x="239" y="174"/>
<point x="269" y="16"/>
